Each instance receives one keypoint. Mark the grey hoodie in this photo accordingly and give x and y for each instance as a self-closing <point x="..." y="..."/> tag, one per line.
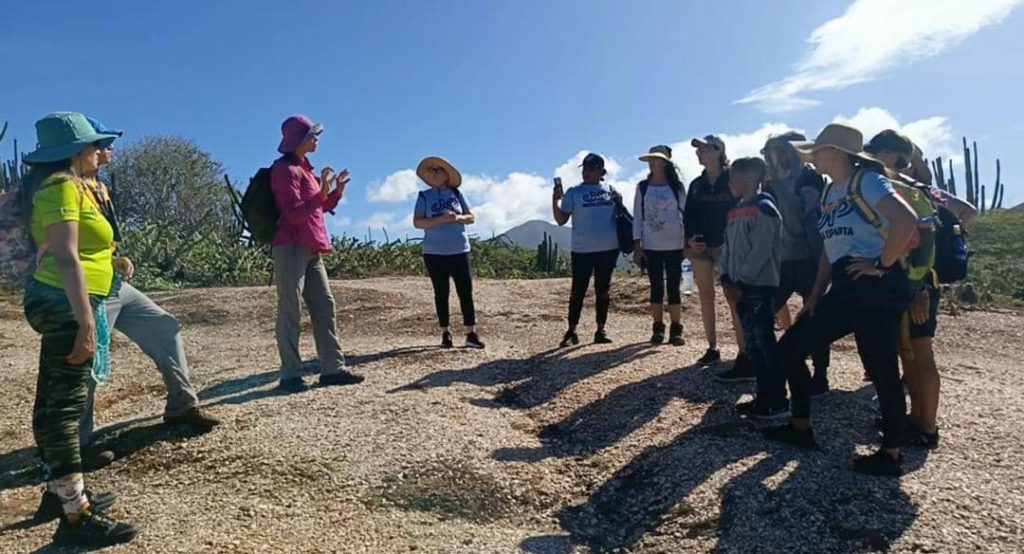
<point x="798" y="199"/>
<point x="751" y="256"/>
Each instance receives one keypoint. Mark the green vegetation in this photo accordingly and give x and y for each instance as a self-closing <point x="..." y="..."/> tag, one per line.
<point x="997" y="266"/>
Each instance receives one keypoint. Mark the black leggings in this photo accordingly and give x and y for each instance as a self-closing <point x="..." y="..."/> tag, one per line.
<point x="662" y="266"/>
<point x="871" y="309"/>
<point x="601" y="265"/>
<point x="458" y="269"/>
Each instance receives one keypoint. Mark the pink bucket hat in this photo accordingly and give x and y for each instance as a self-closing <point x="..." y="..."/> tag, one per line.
<point x="295" y="130"/>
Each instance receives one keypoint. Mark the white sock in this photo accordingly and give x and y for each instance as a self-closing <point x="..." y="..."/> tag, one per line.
<point x="71" y="491"/>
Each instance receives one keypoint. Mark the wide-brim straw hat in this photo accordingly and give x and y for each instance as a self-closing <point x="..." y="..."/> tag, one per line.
<point x="61" y="136"/>
<point x="660" y="152"/>
<point x="454" y="177"/>
<point x="838" y="136"/>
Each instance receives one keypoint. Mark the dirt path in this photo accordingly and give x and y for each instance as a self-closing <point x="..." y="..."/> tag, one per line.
<point x="518" y="448"/>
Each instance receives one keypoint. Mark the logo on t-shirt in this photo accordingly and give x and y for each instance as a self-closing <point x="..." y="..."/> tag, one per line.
<point x="830" y="214"/>
<point x="594" y="198"/>
<point x="444" y="205"/>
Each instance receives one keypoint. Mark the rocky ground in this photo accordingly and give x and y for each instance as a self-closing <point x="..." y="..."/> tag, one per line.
<point x="520" y="447"/>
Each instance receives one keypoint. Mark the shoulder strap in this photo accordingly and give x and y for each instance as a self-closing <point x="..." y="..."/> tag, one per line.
<point x="866" y="211"/>
<point x="643" y="198"/>
<point x="461" y="199"/>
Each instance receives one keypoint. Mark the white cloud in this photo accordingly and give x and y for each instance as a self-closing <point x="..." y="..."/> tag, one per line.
<point x="933" y="135"/>
<point x="400" y="186"/>
<point x="396" y="224"/>
<point x="736" y="146"/>
<point x="874" y="36"/>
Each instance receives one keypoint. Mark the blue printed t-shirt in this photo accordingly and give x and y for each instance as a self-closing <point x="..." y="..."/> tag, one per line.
<point x="593" y="218"/>
<point x="447" y="239"/>
<point x="846" y="234"/>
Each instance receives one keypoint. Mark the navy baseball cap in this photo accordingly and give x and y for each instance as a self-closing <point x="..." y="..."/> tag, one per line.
<point x="592" y="160"/>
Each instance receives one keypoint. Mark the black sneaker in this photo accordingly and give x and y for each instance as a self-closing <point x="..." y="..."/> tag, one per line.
<point x="917" y="437"/>
<point x="339" y="379"/>
<point x="658" y="333"/>
<point x="446" y="340"/>
<point x="819" y="388"/>
<point x="675" y="334"/>
<point x="96" y="458"/>
<point x="790" y="435"/>
<point x="742" y="370"/>
<point x="879" y="464"/>
<point x="766" y="412"/>
<point x="50" y="507"/>
<point x="473" y="341"/>
<point x="601" y="337"/>
<point x="93" y="529"/>
<point x="710" y="357"/>
<point x="569" y="339"/>
<point x="292" y="385"/>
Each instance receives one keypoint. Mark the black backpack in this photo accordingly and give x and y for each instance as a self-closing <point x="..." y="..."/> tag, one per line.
<point x="951" y="250"/>
<point x="259" y="208"/>
<point x="623" y="227"/>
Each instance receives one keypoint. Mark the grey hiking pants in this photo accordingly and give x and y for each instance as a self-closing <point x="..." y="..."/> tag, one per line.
<point x="300" y="275"/>
<point x="158" y="334"/>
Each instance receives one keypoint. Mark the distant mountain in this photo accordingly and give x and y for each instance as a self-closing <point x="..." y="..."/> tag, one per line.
<point x="531" y="233"/>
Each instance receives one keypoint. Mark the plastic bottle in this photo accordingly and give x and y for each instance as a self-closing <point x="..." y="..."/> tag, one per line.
<point x="101" y="359"/>
<point x="687" y="278"/>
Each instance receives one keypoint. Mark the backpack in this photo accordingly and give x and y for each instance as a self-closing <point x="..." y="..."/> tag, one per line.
<point x="951" y="250"/>
<point x="623" y="227"/>
<point x="259" y="209"/>
<point x="17" y="251"/>
<point x="919" y="260"/>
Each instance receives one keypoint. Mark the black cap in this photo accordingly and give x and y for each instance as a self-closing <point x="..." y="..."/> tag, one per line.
<point x="890" y="141"/>
<point x="593" y="161"/>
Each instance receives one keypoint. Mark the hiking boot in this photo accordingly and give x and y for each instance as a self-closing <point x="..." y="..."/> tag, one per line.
<point x="675" y="334"/>
<point x="292" y="385"/>
<point x="193" y="417"/>
<point x="710" y="357"/>
<point x="879" y="464"/>
<point x="658" y="333"/>
<point x="601" y="337"/>
<point x="742" y="370"/>
<point x="446" y="340"/>
<point x="340" y="379"/>
<point x="819" y="388"/>
<point x="95" y="458"/>
<point x="791" y="436"/>
<point x="569" y="339"/>
<point x="93" y="529"/>
<point x="50" y="507"/>
<point x="473" y="341"/>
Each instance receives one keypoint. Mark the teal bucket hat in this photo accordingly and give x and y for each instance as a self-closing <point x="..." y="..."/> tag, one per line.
<point x="62" y="135"/>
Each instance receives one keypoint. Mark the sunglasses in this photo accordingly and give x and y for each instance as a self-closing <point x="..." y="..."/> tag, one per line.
<point x="436" y="169"/>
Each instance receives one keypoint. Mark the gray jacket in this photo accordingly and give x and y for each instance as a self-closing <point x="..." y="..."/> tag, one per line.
<point x="798" y="199"/>
<point x="752" y="254"/>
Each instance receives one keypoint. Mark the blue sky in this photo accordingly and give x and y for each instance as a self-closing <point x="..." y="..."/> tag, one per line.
<point x="512" y="92"/>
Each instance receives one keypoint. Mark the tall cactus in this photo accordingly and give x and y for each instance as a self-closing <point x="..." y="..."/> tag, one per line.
<point x="977" y="181"/>
<point x="997" y="191"/>
<point x="547" y="255"/>
<point x="971" y="196"/>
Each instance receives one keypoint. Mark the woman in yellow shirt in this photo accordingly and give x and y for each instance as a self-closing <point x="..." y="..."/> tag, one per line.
<point x="74" y="275"/>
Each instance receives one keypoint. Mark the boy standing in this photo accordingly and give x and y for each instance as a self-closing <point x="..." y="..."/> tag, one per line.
<point x="751" y="261"/>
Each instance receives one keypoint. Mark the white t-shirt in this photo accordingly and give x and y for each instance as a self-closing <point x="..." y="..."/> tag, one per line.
<point x="658" y="218"/>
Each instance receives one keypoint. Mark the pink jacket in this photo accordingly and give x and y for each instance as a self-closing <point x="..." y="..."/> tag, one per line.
<point x="297" y="192"/>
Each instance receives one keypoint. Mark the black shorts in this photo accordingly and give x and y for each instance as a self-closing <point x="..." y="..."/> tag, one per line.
<point x="796" y="277"/>
<point x="926" y="330"/>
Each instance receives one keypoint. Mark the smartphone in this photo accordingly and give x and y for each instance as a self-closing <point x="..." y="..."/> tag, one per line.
<point x="558" y="182"/>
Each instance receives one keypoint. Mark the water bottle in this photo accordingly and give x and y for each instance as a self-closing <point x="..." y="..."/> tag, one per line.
<point x="101" y="359"/>
<point x="687" y="278"/>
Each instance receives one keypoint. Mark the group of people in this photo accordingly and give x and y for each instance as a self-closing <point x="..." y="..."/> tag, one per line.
<point x="830" y="220"/>
<point x="768" y="227"/>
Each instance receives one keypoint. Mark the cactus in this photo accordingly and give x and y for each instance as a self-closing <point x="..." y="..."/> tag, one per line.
<point x="977" y="181"/>
<point x="971" y="196"/>
<point x="997" y="190"/>
<point x="952" y="179"/>
<point x="547" y="255"/>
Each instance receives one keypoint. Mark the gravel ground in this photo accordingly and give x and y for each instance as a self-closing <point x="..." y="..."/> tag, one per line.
<point x="521" y="447"/>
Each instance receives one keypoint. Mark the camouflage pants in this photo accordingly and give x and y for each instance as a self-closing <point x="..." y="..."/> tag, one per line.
<point x="62" y="387"/>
